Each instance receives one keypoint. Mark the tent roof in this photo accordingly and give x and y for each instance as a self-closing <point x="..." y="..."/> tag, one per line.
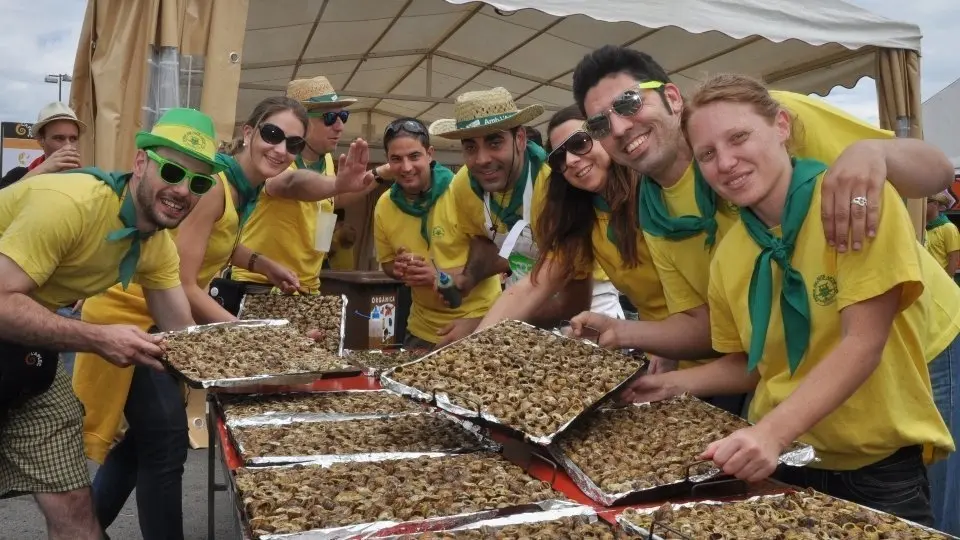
<point x="412" y="57"/>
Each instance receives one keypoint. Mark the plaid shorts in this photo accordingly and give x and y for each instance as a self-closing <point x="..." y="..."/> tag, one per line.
<point x="41" y="444"/>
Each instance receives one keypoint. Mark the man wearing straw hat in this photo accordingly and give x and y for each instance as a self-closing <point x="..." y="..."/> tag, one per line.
<point x="286" y="225"/>
<point x="73" y="235"/>
<point x="497" y="195"/>
<point x="57" y="130"/>
<point x="942" y="239"/>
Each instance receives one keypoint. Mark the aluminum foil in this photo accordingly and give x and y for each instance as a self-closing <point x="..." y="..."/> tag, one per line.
<point x="638" y="530"/>
<point x="443" y="399"/>
<point x="281" y="379"/>
<point x="381" y="529"/>
<point x="343" y="316"/>
<point x="560" y="510"/>
<point x="484" y="443"/>
<point x="800" y="457"/>
<point x="282" y="417"/>
<point x="371" y="371"/>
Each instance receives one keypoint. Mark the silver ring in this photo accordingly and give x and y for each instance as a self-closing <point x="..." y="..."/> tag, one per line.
<point x="859" y="201"/>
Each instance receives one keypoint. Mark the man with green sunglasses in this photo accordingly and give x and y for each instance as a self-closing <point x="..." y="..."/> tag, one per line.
<point x="69" y="236"/>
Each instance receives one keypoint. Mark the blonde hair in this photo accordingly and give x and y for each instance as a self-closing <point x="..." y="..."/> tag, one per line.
<point x="266" y="108"/>
<point x="732" y="88"/>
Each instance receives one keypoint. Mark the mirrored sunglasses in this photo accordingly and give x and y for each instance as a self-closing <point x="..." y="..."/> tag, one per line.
<point x="330" y="117"/>
<point x="625" y="105"/>
<point x="174" y="174"/>
<point x="579" y="143"/>
<point x="272" y="134"/>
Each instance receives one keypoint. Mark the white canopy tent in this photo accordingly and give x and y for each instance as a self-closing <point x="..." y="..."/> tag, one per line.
<point x="413" y="57"/>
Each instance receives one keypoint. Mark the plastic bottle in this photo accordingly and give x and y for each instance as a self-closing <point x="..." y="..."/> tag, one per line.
<point x="448" y="290"/>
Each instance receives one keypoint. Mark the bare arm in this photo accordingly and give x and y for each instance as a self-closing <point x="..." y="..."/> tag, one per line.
<point x="866" y="326"/>
<point x="192" y="237"/>
<point x="681" y="336"/>
<point x="306" y="185"/>
<point x="521" y="301"/>
<point x="953" y="262"/>
<point x="169" y="308"/>
<point x="916" y="168"/>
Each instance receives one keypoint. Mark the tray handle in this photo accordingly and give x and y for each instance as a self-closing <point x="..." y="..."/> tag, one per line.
<point x="715" y="482"/>
<point x="567" y="322"/>
<point x="549" y="462"/>
<point x="694" y="464"/>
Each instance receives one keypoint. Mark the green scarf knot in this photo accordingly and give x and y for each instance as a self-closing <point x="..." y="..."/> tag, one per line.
<point x="655" y="219"/>
<point x="119" y="182"/>
<point x="247" y="192"/>
<point x="440" y="179"/>
<point x="938" y="221"/>
<point x="534" y="156"/>
<point x="794" y="302"/>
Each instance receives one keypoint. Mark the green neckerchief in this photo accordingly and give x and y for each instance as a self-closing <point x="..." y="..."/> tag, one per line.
<point x="602" y="205"/>
<point x="319" y="165"/>
<point x="440" y="178"/>
<point x="655" y="219"/>
<point x="794" y="305"/>
<point x="937" y="222"/>
<point x="248" y="194"/>
<point x="128" y="216"/>
<point x="534" y="156"/>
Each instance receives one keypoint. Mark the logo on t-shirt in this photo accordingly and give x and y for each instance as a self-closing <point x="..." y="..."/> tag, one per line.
<point x="825" y="290"/>
<point x="731" y="208"/>
<point x="437" y="232"/>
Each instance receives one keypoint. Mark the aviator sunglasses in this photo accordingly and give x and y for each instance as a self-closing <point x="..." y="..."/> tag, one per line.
<point x="272" y="134"/>
<point x="330" y="117"/>
<point x="174" y="174"/>
<point x="579" y="143"/>
<point x="409" y="126"/>
<point x="625" y="105"/>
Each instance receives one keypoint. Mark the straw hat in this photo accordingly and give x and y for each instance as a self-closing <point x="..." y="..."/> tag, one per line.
<point x="483" y="112"/>
<point x="187" y="131"/>
<point x="316" y="93"/>
<point x="56" y="111"/>
<point x="942" y="198"/>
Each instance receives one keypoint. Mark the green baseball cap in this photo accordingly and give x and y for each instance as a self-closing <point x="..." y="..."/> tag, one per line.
<point x="187" y="131"/>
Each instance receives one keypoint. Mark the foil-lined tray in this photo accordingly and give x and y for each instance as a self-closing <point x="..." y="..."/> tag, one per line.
<point x="280" y="379"/>
<point x="369" y="370"/>
<point x="388" y="529"/>
<point x="671" y="534"/>
<point x="483" y="442"/>
<point x="444" y="400"/>
<point x="231" y="417"/>
<point x="799" y="455"/>
<point x="557" y="512"/>
<point x="343" y="314"/>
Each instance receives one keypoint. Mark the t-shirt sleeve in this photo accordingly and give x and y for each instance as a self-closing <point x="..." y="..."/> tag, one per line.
<point x="723" y="327"/>
<point x="825" y="131"/>
<point x="47" y="228"/>
<point x="888" y="260"/>
<point x="951" y="238"/>
<point x="159" y="264"/>
<point x="381" y="240"/>
<point x="679" y="292"/>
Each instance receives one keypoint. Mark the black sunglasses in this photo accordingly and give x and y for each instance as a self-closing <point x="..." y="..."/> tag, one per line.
<point x="578" y="143"/>
<point x="410" y="126"/>
<point x="330" y="117"/>
<point x="272" y="134"/>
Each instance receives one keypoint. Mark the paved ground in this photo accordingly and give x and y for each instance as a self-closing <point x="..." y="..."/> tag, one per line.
<point x="20" y="519"/>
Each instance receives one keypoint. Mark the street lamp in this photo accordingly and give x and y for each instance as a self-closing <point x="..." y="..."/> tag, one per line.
<point x="58" y="79"/>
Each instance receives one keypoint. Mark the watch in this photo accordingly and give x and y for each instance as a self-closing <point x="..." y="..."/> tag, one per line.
<point x="376" y="176"/>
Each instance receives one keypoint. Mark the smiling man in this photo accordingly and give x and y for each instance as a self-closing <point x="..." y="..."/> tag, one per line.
<point x="57" y="130"/>
<point x="65" y="237"/>
<point x="407" y="222"/>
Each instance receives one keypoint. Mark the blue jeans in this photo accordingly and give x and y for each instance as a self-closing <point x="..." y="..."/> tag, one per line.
<point x="150" y="457"/>
<point x="67" y="358"/>
<point x="945" y="474"/>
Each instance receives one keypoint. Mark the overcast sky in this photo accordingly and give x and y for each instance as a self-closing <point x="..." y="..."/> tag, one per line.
<point x="38" y="37"/>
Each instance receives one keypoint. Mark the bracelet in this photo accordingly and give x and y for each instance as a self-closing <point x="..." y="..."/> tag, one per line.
<point x="253" y="260"/>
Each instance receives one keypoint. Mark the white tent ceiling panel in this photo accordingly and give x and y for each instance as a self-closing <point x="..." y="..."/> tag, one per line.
<point x="412" y="57"/>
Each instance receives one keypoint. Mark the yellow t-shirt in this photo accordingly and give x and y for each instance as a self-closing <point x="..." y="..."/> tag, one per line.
<point x="54" y="226"/>
<point x="216" y="256"/>
<point x="471" y="221"/>
<point x="284" y="230"/>
<point x="894" y="407"/>
<point x="393" y="229"/>
<point x="942" y="241"/>
<point x="823" y="133"/>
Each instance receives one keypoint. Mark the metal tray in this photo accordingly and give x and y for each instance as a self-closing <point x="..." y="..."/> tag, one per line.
<point x="284" y="379"/>
<point x="234" y="419"/>
<point x="373" y="371"/>
<point x="801" y="455"/>
<point x="343" y="313"/>
<point x="546" y="516"/>
<point x="443" y="399"/>
<point x="387" y="528"/>
<point x="483" y="443"/>
<point x="633" y="528"/>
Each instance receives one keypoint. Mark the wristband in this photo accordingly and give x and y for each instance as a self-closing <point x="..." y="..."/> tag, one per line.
<point x="253" y="260"/>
